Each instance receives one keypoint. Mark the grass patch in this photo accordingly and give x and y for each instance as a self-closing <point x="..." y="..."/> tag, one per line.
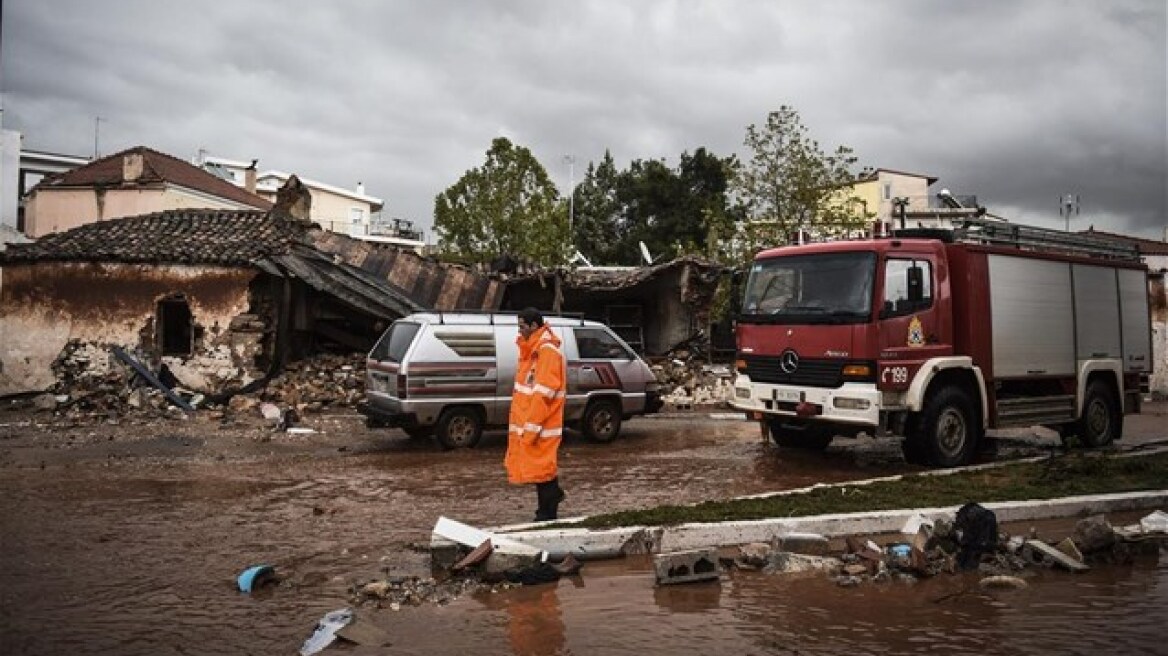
<point x="1070" y="475"/>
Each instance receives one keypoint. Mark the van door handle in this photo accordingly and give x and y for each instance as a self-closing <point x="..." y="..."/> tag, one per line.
<point x="587" y="369"/>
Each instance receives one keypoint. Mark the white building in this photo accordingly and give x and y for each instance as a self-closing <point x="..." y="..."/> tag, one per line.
<point x="336" y="209"/>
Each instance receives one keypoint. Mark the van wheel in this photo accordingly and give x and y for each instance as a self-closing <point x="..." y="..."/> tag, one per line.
<point x="459" y="428"/>
<point x="602" y="421"/>
<point x="808" y="437"/>
<point x="946" y="431"/>
<point x="1102" y="420"/>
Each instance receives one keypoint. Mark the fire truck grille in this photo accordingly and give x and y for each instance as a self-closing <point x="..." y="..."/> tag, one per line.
<point x="814" y="373"/>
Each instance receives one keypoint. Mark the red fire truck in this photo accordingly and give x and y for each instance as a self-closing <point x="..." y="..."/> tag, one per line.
<point x="938" y="335"/>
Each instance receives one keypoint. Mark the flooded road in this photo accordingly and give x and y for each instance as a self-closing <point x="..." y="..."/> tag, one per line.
<point x="132" y="547"/>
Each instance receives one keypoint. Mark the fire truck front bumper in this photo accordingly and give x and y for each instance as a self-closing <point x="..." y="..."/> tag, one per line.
<point x="856" y="404"/>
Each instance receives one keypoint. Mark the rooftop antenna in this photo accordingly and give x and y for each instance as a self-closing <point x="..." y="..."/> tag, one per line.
<point x="96" y="130"/>
<point x="1067" y="204"/>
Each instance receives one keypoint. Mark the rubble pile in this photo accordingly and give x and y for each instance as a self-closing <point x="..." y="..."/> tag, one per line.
<point x="395" y="592"/>
<point x="92" y="385"/>
<point x="315" y="383"/>
<point x="945" y="548"/>
<point x="685" y="384"/>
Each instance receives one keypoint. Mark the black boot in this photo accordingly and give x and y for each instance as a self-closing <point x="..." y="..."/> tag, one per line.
<point x="549" y="494"/>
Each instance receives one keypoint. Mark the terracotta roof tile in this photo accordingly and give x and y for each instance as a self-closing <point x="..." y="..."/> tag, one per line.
<point x="156" y="168"/>
<point x="224" y="237"/>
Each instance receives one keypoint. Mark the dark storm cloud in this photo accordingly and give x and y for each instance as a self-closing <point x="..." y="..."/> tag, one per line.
<point x="1017" y="102"/>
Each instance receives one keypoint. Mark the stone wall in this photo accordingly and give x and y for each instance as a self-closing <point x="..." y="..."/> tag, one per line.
<point x="59" y="320"/>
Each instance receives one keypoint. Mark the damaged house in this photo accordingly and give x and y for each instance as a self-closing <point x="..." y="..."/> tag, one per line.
<point x="222" y="298"/>
<point x="655" y="309"/>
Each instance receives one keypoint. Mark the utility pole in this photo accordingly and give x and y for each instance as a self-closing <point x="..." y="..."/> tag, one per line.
<point x="1068" y="204"/>
<point x="900" y="203"/>
<point x="96" y="130"/>
<point x="571" y="161"/>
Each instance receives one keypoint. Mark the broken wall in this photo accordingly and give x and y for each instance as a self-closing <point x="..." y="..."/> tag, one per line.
<point x="673" y="301"/>
<point x="65" y="316"/>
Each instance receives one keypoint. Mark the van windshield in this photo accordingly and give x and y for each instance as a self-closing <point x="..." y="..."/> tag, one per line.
<point x="810" y="289"/>
<point x="395" y="342"/>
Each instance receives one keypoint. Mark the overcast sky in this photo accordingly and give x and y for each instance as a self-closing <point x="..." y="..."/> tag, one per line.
<point x="1018" y="102"/>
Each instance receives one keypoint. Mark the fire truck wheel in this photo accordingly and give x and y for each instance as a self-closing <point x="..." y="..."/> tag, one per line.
<point x="799" y="436"/>
<point x="947" y="432"/>
<point x="459" y="427"/>
<point x="1102" y="419"/>
<point x="602" y="421"/>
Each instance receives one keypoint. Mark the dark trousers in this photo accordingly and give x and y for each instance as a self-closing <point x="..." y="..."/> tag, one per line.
<point x="549" y="495"/>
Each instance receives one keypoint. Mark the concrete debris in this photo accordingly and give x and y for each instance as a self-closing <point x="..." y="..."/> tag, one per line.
<point x="792" y="563"/>
<point x="1000" y="557"/>
<point x="755" y="555"/>
<point x="692" y="566"/>
<point x="1041" y="553"/>
<point x="686" y="384"/>
<point x="1067" y="546"/>
<point x="1156" y="522"/>
<point x="398" y="591"/>
<point x="86" y="394"/>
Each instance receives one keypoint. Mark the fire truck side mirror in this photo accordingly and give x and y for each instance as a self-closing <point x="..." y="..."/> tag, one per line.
<point x="916" y="284"/>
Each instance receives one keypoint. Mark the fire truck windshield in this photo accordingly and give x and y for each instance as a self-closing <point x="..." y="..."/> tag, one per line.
<point x="819" y="288"/>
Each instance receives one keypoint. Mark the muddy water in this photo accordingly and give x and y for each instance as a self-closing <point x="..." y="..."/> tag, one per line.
<point x="135" y="552"/>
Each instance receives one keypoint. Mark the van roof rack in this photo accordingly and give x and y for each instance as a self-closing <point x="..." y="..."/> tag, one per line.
<point x="490" y="314"/>
<point x="1028" y="238"/>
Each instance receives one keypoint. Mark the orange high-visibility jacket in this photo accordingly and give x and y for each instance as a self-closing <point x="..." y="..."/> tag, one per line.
<point x="537" y="409"/>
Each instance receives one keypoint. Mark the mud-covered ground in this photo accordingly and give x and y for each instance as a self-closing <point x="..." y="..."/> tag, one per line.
<point x="125" y="534"/>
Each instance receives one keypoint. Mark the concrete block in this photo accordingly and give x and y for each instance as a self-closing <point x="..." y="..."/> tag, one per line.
<point x="809" y="544"/>
<point x="686" y="566"/>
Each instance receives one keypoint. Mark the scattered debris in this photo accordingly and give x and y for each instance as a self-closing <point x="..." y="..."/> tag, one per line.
<point x="1042" y="553"/>
<point x="1003" y="582"/>
<point x="1156" y="522"/>
<point x="478" y="555"/>
<point x="256" y="577"/>
<point x="686" y="566"/>
<point x="977" y="533"/>
<point x="326" y="631"/>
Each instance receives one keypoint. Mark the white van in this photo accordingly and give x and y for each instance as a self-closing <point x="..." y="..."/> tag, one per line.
<point x="450" y="375"/>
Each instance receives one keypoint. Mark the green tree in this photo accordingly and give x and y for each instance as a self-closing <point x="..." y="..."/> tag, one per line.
<point x="599" y="228"/>
<point x="710" y="213"/>
<point x="790" y="184"/>
<point x="508" y="206"/>
<point x="674" y="211"/>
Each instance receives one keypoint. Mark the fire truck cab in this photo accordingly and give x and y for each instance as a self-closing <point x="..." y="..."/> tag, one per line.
<point x="938" y="335"/>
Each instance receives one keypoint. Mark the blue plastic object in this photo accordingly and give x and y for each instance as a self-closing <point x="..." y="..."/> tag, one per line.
<point x="252" y="575"/>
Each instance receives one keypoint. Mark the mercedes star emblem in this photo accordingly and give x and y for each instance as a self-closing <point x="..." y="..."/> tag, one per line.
<point x="789" y="361"/>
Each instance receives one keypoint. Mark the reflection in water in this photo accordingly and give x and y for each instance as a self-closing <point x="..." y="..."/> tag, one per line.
<point x="691" y="598"/>
<point x="535" y="626"/>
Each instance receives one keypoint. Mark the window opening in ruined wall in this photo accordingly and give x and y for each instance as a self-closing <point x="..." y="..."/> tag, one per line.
<point x="175" y="326"/>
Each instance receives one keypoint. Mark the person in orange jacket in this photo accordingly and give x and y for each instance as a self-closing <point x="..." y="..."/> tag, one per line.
<point x="536" y="423"/>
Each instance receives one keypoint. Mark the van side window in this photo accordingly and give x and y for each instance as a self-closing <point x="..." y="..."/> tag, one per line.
<point x="908" y="287"/>
<point x="395" y="342"/>
<point x="594" y="344"/>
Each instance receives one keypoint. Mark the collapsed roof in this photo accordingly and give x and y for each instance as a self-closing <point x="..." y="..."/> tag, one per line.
<point x="269" y="242"/>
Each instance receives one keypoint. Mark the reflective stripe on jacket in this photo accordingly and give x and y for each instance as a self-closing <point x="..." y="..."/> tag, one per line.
<point x="537" y="409"/>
